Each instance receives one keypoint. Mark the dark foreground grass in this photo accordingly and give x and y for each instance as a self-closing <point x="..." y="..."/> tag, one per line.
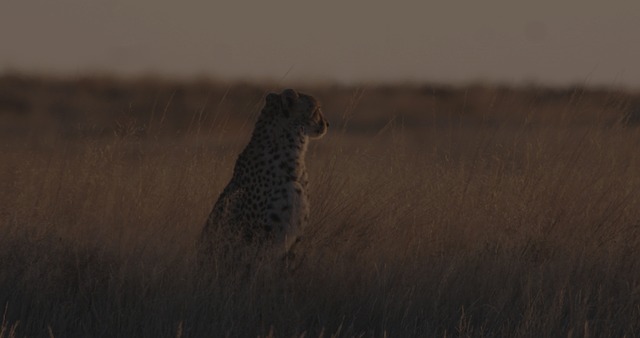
<point x="525" y="233"/>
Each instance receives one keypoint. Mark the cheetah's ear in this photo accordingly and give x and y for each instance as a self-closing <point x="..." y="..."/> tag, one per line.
<point x="273" y="102"/>
<point x="289" y="97"/>
<point x="273" y="99"/>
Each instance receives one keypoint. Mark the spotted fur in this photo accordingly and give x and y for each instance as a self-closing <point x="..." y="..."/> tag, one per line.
<point x="266" y="199"/>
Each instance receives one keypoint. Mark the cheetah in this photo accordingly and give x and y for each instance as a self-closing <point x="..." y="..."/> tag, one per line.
<point x="266" y="200"/>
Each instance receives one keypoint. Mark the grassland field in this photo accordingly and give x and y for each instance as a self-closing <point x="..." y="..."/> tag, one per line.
<point x="436" y="211"/>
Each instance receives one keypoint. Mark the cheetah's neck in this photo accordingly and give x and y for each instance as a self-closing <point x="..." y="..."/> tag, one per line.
<point x="280" y="149"/>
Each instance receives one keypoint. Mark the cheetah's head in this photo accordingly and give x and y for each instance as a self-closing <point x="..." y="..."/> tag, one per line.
<point x="299" y="109"/>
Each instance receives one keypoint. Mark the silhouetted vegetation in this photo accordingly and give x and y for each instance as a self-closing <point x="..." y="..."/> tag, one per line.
<point x="436" y="211"/>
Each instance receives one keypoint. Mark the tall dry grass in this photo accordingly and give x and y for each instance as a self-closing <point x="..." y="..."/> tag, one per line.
<point x="502" y="226"/>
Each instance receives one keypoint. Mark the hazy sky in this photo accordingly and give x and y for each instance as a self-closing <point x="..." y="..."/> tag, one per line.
<point x="553" y="42"/>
